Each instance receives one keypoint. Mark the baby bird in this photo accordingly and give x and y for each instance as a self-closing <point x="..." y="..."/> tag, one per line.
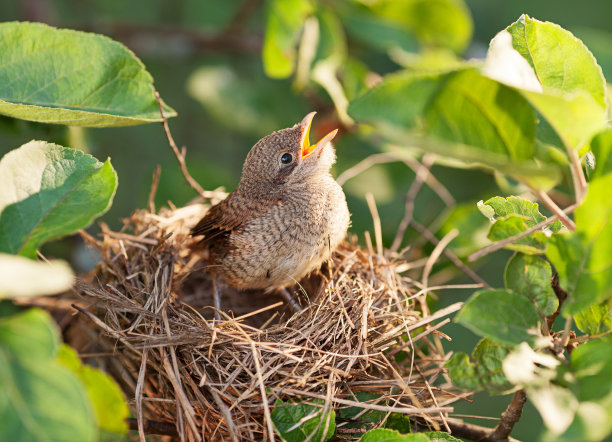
<point x="285" y="217"/>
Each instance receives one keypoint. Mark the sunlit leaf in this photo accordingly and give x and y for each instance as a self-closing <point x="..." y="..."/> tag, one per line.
<point x="595" y="319"/>
<point x="531" y="276"/>
<point x="601" y="147"/>
<point x="106" y="397"/>
<point x="583" y="259"/>
<point x="284" y="18"/>
<point x="386" y="435"/>
<point x="75" y="78"/>
<point x="39" y="398"/>
<point x="50" y="191"/>
<point x="24" y="277"/>
<point x="484" y="372"/>
<point x="503" y="316"/>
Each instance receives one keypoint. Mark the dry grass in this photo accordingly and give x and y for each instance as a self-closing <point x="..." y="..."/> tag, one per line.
<point x="146" y="316"/>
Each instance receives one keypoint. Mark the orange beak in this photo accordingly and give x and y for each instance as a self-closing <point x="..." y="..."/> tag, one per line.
<point x="306" y="149"/>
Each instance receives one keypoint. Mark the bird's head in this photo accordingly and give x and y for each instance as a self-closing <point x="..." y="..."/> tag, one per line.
<point x="286" y="158"/>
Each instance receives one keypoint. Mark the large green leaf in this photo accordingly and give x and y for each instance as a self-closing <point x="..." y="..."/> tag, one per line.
<point x="24" y="277"/>
<point x="287" y="419"/>
<point x="445" y="23"/>
<point x="68" y="77"/>
<point x="501" y="315"/>
<point x="49" y="191"/>
<point x="531" y="277"/>
<point x="583" y="259"/>
<point x="39" y="398"/>
<point x="485" y="372"/>
<point x="107" y="399"/>
<point x="601" y="147"/>
<point x="556" y="73"/>
<point x="284" y="18"/>
<point x="464" y="115"/>
<point x="560" y="60"/>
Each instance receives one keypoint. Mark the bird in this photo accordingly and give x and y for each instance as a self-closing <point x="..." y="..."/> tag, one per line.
<point x="283" y="220"/>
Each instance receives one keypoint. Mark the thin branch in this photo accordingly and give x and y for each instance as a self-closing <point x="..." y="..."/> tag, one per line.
<point x="376" y="220"/>
<point x="578" y="178"/>
<point x="471" y="431"/>
<point x="504" y="242"/>
<point x="556" y="210"/>
<point x="450" y="255"/>
<point x="561" y="296"/>
<point x="180" y="156"/>
<point x="415" y="187"/>
<point x="510" y="416"/>
<point x="153" y="191"/>
<point x="238" y="22"/>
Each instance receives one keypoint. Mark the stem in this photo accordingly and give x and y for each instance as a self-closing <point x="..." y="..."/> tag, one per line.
<point x="552" y="206"/>
<point x="472" y="432"/>
<point x="180" y="156"/>
<point x="510" y="416"/>
<point x="578" y="178"/>
<point x="561" y="296"/>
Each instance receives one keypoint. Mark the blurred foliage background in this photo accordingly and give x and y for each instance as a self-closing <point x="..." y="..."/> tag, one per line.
<point x="206" y="59"/>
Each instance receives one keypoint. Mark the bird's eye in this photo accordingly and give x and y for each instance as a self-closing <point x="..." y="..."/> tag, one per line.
<point x="286" y="158"/>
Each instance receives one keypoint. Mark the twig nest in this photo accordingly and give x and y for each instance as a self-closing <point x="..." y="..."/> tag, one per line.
<point x="150" y="298"/>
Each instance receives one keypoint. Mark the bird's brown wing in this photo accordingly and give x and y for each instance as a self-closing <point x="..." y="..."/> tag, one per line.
<point x="218" y="223"/>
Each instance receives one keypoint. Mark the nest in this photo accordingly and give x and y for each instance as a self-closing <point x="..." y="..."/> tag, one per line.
<point x="147" y="318"/>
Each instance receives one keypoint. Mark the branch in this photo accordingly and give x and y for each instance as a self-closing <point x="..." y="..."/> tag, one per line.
<point x="180" y="156"/>
<point x="561" y="296"/>
<point x="472" y="432"/>
<point x="556" y="210"/>
<point x="504" y="242"/>
<point x="510" y="416"/>
<point x="450" y="255"/>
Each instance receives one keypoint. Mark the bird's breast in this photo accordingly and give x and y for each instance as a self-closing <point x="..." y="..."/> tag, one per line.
<point x="287" y="240"/>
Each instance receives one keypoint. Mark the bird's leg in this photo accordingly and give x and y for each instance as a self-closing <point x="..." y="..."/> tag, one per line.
<point x="289" y="299"/>
<point x="216" y="297"/>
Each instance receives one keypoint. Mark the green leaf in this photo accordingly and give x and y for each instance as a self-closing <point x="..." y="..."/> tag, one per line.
<point x="531" y="277"/>
<point x="386" y="435"/>
<point x="560" y="60"/>
<point x="500" y="315"/>
<point x="576" y="118"/>
<point x="375" y="31"/>
<point x="583" y="259"/>
<point x="440" y="436"/>
<point x="284" y="18"/>
<point x="24" y="277"/>
<point x="30" y="336"/>
<point x="401" y="99"/>
<point x="287" y="419"/>
<point x="515" y="216"/>
<point x="443" y="23"/>
<point x="75" y="78"/>
<point x="601" y="146"/>
<point x="511" y="225"/>
<point x="482" y="121"/>
<point x="39" y="398"/>
<point x="595" y="319"/>
<point x="108" y="401"/>
<point x="362" y="416"/>
<point x="485" y="372"/>
<point x="592" y="365"/>
<point x="475" y="110"/>
<point x="50" y="191"/>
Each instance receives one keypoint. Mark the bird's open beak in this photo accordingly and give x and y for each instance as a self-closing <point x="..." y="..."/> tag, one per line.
<point x="305" y="147"/>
